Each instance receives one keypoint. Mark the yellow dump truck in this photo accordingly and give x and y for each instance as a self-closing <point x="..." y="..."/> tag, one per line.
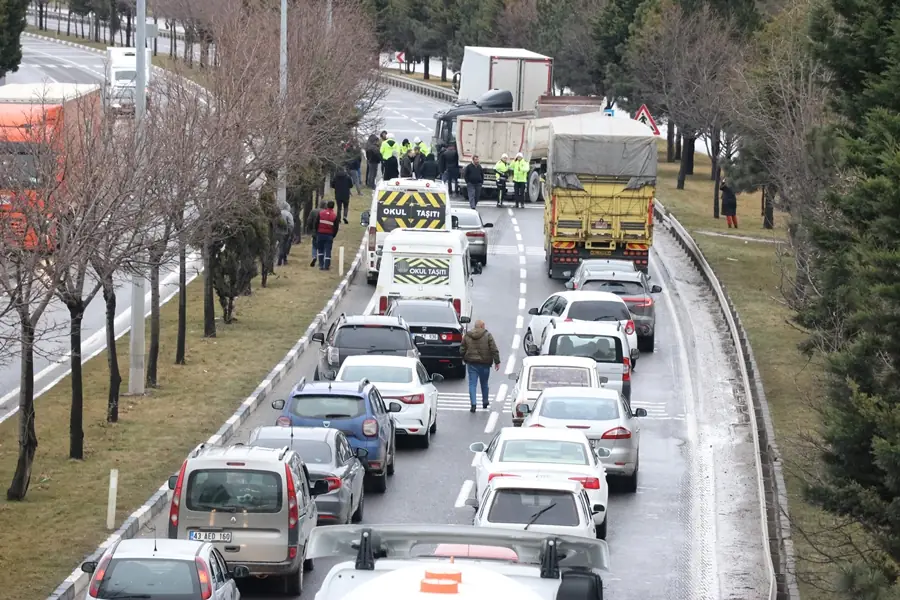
<point x="599" y="189"/>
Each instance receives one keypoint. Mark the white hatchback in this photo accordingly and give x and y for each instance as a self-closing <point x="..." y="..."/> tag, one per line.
<point x="538" y="373"/>
<point x="404" y="380"/>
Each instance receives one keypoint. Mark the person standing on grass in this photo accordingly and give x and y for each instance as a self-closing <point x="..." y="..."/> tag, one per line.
<point x="311" y="221"/>
<point x="479" y="352"/>
<point x="354" y="165"/>
<point x="474" y="176"/>
<point x="373" y="159"/>
<point x="284" y="234"/>
<point x="326" y="229"/>
<point x="342" y="184"/>
<point x="729" y="204"/>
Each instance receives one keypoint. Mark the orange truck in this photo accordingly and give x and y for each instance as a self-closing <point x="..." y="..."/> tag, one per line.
<point x="37" y="122"/>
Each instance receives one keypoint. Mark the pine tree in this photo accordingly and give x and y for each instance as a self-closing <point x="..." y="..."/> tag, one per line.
<point x="12" y="24"/>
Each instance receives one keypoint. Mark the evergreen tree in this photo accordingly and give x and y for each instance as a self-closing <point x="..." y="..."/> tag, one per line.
<point x="611" y="32"/>
<point x="12" y="24"/>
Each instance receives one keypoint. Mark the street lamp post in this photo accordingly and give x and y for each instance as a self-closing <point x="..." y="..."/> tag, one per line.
<point x="282" y="67"/>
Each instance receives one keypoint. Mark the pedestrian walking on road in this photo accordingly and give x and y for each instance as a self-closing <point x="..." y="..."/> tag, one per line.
<point x="311" y="222"/>
<point x="502" y="171"/>
<point x="342" y="184"/>
<point x="479" y="352"/>
<point x="326" y="228"/>
<point x="729" y="204"/>
<point x="474" y="176"/>
<point x="448" y="165"/>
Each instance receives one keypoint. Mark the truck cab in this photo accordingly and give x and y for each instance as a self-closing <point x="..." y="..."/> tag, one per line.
<point x="493" y="101"/>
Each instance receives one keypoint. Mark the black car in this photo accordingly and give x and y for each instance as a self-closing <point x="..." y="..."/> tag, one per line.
<point x="434" y="321"/>
<point x="359" y="334"/>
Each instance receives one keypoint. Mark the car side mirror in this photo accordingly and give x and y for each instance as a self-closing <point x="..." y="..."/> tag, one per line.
<point x="240" y="572"/>
<point x="173" y="481"/>
<point x="454" y="222"/>
<point x="602" y="452"/>
<point x="88" y="566"/>
<point x="437" y="378"/>
<point x="465" y="320"/>
<point x="655" y="289"/>
<point x="477" y="447"/>
<point x="513" y="376"/>
<point x="361" y="453"/>
<point x="487" y="225"/>
<point x="332" y="374"/>
<point x="570" y="285"/>
<point x="394" y="407"/>
<point x="523" y="409"/>
<point x="318" y="337"/>
<point x="278" y="404"/>
<point x="320" y="487"/>
<point x="597" y="508"/>
<point x="419" y="340"/>
<point x="604" y="379"/>
<point x="364" y="218"/>
<point x="472" y="502"/>
<point x="533" y="311"/>
<point x="640" y="412"/>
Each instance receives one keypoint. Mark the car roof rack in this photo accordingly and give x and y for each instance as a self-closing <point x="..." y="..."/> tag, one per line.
<point x="196" y="451"/>
<point x="300" y="384"/>
<point x="362" y="384"/>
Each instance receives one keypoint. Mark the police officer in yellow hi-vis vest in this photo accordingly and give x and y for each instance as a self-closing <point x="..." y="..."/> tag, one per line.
<point x="502" y="171"/>
<point x="520" y="169"/>
<point x="424" y="149"/>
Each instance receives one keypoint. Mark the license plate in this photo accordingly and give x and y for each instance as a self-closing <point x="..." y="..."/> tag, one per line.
<point x="429" y="336"/>
<point x="210" y="536"/>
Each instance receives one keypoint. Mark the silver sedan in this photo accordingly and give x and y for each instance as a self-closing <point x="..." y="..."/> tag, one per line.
<point x="605" y="417"/>
<point x="469" y="220"/>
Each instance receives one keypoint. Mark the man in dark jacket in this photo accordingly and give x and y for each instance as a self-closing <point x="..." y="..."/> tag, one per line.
<point x="354" y="165"/>
<point x="479" y="352"/>
<point x="429" y="168"/>
<point x="474" y="176"/>
<point x="729" y="204"/>
<point x="418" y="161"/>
<point x="406" y="164"/>
<point x="311" y="220"/>
<point x="342" y="184"/>
<point x="284" y="234"/>
<point x="373" y="159"/>
<point x="448" y="166"/>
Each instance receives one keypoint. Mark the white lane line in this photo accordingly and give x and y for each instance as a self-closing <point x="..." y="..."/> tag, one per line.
<point x="511" y="365"/>
<point x="523" y="274"/>
<point x="492" y="422"/>
<point x="520" y="322"/>
<point x="521" y="303"/>
<point x="521" y="260"/>
<point x="518" y="237"/>
<point x="516" y="228"/>
<point x="464" y="492"/>
<point x="515" y="223"/>
<point x="522" y="288"/>
<point x="521" y="247"/>
<point x="510" y="211"/>
<point x="501" y="393"/>
<point x="517" y="339"/>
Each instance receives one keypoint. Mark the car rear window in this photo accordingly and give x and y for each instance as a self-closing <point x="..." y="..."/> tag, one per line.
<point x="150" y="578"/>
<point x="313" y="406"/>
<point x="620" y="288"/>
<point x="373" y="337"/>
<point x="591" y="266"/>
<point x="433" y="312"/>
<point x="598" y="310"/>
<point x="377" y="374"/>
<point x="544" y="377"/>
<point x="234" y="490"/>
<point x="310" y="451"/>
<point x="467" y="219"/>
<point x="579" y="409"/>
<point x="545" y="507"/>
<point x="602" y="348"/>
<point x="544" y="451"/>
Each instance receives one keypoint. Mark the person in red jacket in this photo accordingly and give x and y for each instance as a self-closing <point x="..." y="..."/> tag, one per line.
<point x="326" y="229"/>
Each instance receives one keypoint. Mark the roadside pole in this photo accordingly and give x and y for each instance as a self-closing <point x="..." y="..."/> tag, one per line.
<point x="282" y="68"/>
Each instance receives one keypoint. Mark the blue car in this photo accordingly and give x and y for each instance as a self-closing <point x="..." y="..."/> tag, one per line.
<point x="356" y="409"/>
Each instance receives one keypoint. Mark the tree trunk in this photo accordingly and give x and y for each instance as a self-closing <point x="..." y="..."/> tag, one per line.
<point x="182" y="307"/>
<point x="128" y="25"/>
<point x="769" y="209"/>
<point x="443" y="68"/>
<point x="40" y="16"/>
<point x="76" y="413"/>
<point x="679" y="142"/>
<point x="670" y="141"/>
<point x="426" y="68"/>
<point x="209" y="296"/>
<point x="156" y="38"/>
<point x="28" y="442"/>
<point x="716" y="192"/>
<point x="69" y="24"/>
<point x="692" y="149"/>
<point x="715" y="149"/>
<point x="153" y="355"/>
<point x="172" y="52"/>
<point x="682" y="168"/>
<point x="112" y="352"/>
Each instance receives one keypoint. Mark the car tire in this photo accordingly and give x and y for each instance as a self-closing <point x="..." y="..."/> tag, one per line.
<point x="433" y="428"/>
<point x="528" y="338"/>
<point x="631" y="482"/>
<point x="371" y="279"/>
<point x="425" y="440"/>
<point x="484" y="258"/>
<point x="601" y="529"/>
<point x="646" y="344"/>
<point x="389" y="469"/>
<point x="316" y="375"/>
<point x="293" y="583"/>
<point x="308" y="565"/>
<point x="357" y="516"/>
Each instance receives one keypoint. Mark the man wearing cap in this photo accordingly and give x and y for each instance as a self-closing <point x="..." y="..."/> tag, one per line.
<point x="424" y="149"/>
<point x="520" y="169"/>
<point x="502" y="171"/>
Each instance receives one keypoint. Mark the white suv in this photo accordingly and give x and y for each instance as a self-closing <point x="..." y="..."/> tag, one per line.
<point x="538" y="373"/>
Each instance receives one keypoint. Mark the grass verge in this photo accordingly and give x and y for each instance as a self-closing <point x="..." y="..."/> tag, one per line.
<point x="419" y="78"/>
<point x="747" y="262"/>
<point x="63" y="517"/>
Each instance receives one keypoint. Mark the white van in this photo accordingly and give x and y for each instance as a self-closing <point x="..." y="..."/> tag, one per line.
<point x="403" y="203"/>
<point x="424" y="263"/>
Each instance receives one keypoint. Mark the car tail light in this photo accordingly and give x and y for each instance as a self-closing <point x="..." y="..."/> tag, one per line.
<point x="617" y="433"/>
<point x="478" y="234"/>
<point x="588" y="483"/>
<point x="372" y="238"/>
<point x="283" y="421"/>
<point x="412" y="399"/>
<point x="536" y="425"/>
<point x="293" y="508"/>
<point x="568" y="320"/>
<point x="382" y="305"/>
<point x="334" y="483"/>
<point x="493" y="475"/>
<point x="176" y="497"/>
<point x="626" y="368"/>
<point x="451" y="337"/>
<point x="574" y="286"/>
<point x="457" y="306"/>
<point x="370" y="428"/>
<point x="629" y="327"/>
<point x="99" y="574"/>
<point x="334" y="356"/>
<point x="205" y="579"/>
<point x="639" y="302"/>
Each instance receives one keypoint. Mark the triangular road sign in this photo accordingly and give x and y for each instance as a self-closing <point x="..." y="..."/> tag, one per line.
<point x="643" y="115"/>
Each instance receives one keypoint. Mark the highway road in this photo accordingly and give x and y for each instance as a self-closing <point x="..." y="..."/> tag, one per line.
<point x="692" y="529"/>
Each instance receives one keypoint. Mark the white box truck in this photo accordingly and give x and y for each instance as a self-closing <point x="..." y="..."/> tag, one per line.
<point x="526" y="74"/>
<point x="121" y="78"/>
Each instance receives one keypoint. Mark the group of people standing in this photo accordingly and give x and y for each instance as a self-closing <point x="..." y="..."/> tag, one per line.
<point x="518" y="169"/>
<point x="403" y="159"/>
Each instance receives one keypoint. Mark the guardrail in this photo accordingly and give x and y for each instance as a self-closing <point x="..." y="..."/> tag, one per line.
<point x="425" y="89"/>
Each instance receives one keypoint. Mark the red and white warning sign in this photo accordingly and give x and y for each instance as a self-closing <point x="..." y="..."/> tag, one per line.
<point x="400" y="57"/>
<point x="643" y="115"/>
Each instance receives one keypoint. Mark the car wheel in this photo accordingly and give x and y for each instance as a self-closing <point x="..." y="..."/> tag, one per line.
<point x="631" y="482"/>
<point x="393" y="453"/>
<point x="308" y="565"/>
<point x="378" y="483"/>
<point x="601" y="529"/>
<point x="646" y="344"/>
<point x="433" y="428"/>
<point x="425" y="440"/>
<point x="528" y="339"/>
<point x="360" y="508"/>
<point x="316" y="374"/>
<point x="371" y="279"/>
<point x="484" y="258"/>
<point x="293" y="583"/>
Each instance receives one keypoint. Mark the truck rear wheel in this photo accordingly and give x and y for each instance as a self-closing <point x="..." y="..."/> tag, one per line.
<point x="534" y="187"/>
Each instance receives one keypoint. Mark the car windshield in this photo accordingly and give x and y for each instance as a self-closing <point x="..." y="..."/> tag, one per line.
<point x="602" y="348"/>
<point x="421" y="312"/>
<point x="620" y="288"/>
<point x="313" y="406"/>
<point x="468" y="219"/>
<point x="521" y="506"/>
<point x="310" y="451"/>
<point x="544" y="451"/>
<point x="598" y="310"/>
<point x="544" y="377"/>
<point x="377" y="374"/>
<point x="150" y="578"/>
<point x="380" y="338"/>
<point x="234" y="490"/>
<point x="579" y="409"/>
